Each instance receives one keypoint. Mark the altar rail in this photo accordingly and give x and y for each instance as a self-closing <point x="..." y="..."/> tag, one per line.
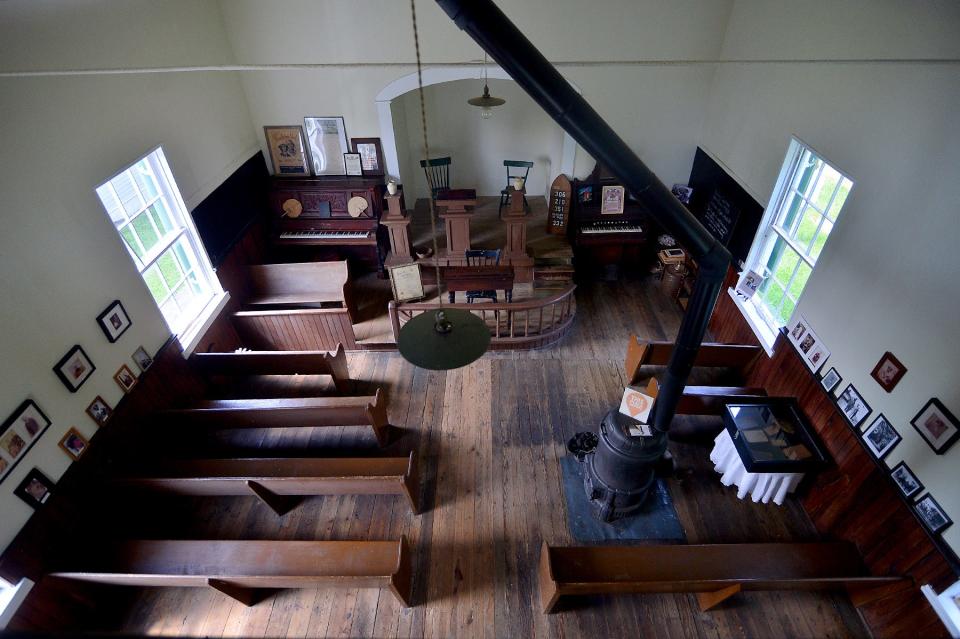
<point x="522" y="325"/>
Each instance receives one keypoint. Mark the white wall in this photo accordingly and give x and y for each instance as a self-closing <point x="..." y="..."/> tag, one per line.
<point x="61" y="261"/>
<point x="888" y="277"/>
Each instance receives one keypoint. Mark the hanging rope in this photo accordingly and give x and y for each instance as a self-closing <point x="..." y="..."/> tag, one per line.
<point x="426" y="150"/>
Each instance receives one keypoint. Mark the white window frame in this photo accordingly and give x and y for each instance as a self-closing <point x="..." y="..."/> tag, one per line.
<point x="188" y="323"/>
<point x="11" y="596"/>
<point x="765" y="323"/>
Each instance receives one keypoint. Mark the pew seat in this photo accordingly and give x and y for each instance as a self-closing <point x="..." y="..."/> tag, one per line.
<point x="364" y="410"/>
<point x="248" y="571"/>
<point x="649" y="353"/>
<point x="283" y="483"/>
<point x="333" y="364"/>
<point x="714" y="571"/>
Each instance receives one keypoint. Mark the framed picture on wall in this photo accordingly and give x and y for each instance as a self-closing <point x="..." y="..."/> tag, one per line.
<point x="74" y="368"/>
<point x="831" y="380"/>
<point x="35" y="488"/>
<point x="125" y="378"/>
<point x="371" y="155"/>
<point x="352" y="163"/>
<point x="19" y="432"/>
<point x="114" y="321"/>
<point x="932" y="514"/>
<point x="99" y="411"/>
<point x="881" y="437"/>
<point x="74" y="444"/>
<point x="937" y="425"/>
<point x="611" y="200"/>
<point x="852" y="405"/>
<point x="287" y="150"/>
<point x="888" y="371"/>
<point x="142" y="359"/>
<point x="904" y="478"/>
<point x="327" y="141"/>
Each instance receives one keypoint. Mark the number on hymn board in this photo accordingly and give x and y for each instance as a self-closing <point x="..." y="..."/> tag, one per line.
<point x="559" y="211"/>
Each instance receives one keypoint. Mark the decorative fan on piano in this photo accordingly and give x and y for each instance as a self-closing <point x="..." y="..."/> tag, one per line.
<point x="356" y="206"/>
<point x="292" y="208"/>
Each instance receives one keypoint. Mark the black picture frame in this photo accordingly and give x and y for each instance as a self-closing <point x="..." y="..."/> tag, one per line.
<point x="74" y="368"/>
<point x="881" y="437"/>
<point x="932" y="515"/>
<point x="940" y="445"/>
<point x="843" y="405"/>
<point x="142" y="359"/>
<point x="114" y="321"/>
<point x="371" y="148"/>
<point x="19" y="432"/>
<point x="353" y="164"/>
<point x="823" y="380"/>
<point x="35" y="489"/>
<point x="902" y="476"/>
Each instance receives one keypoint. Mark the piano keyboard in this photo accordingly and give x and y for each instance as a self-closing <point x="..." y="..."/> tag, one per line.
<point x="325" y="235"/>
<point x="612" y="228"/>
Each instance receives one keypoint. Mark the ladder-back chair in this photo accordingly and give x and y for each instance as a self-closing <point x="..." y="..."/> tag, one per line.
<point x="515" y="168"/>
<point x="482" y="257"/>
<point x="437" y="171"/>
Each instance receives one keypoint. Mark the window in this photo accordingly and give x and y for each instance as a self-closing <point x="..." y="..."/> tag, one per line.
<point x="149" y="214"/>
<point x="805" y="205"/>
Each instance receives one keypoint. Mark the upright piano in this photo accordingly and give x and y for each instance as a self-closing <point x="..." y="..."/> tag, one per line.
<point x="606" y="241"/>
<point x="312" y="220"/>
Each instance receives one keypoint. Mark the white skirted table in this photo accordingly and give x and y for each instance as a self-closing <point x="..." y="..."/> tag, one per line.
<point x="762" y="487"/>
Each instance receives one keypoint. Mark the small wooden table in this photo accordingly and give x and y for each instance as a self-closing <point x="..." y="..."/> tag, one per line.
<point x="478" y="278"/>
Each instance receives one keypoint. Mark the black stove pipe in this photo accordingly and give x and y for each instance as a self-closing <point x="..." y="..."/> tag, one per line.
<point x="483" y="21"/>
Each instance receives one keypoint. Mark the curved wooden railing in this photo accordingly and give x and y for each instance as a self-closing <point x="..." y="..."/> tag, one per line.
<point x="530" y="323"/>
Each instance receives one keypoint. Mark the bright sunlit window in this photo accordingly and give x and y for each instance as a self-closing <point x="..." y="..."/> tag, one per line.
<point x="806" y="203"/>
<point x="147" y="210"/>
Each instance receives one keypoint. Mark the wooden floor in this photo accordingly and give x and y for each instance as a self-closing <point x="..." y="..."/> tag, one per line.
<point x="490" y="436"/>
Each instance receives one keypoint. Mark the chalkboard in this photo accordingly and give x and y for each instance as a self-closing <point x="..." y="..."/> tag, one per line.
<point x="226" y="214"/>
<point x="723" y="206"/>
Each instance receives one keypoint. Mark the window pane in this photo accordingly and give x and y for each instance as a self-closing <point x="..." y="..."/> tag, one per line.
<point x="773" y="296"/>
<point x="161" y="216"/>
<point x="194" y="283"/>
<point x="826" y="187"/>
<point x="807" y="227"/>
<point x="110" y="202"/>
<point x="838" y="201"/>
<point x="155" y="283"/>
<point x="782" y="262"/>
<point x="800" y="280"/>
<point x="821" y="239"/>
<point x="145" y="231"/>
<point x="786" y="310"/>
<point x="131" y="240"/>
<point x="184" y="296"/>
<point x="789" y="213"/>
<point x="145" y="180"/>
<point x="128" y="192"/>
<point x="168" y="266"/>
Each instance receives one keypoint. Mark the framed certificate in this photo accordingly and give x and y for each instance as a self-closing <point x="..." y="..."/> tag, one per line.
<point x="327" y="141"/>
<point x="611" y="200"/>
<point x="351" y="161"/>
<point x="406" y="283"/>
<point x="287" y="151"/>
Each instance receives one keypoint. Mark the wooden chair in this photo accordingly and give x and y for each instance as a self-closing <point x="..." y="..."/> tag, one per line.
<point x="515" y="168"/>
<point x="715" y="572"/>
<point x="283" y="483"/>
<point x="247" y="571"/>
<point x="276" y="363"/>
<point x="437" y="171"/>
<point x="482" y="257"/>
<point x="223" y="414"/>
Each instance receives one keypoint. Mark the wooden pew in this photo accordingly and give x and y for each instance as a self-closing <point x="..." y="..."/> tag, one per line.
<point x="710" y="400"/>
<point x="248" y="571"/>
<point x="714" y="571"/>
<point x="277" y="363"/>
<point x="303" y="284"/>
<point x="283" y="483"/>
<point x="369" y="410"/>
<point x="643" y="353"/>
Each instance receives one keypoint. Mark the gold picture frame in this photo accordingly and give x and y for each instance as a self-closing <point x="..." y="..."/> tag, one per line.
<point x="288" y="150"/>
<point x="406" y="283"/>
<point x="611" y="200"/>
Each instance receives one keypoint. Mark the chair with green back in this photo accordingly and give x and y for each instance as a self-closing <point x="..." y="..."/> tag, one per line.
<point x="437" y="171"/>
<point x="515" y="168"/>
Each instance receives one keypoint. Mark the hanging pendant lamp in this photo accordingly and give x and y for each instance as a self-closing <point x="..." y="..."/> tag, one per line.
<point x="486" y="102"/>
<point x="447" y="338"/>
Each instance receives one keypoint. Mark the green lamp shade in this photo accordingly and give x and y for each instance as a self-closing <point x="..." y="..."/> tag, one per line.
<point x="444" y="340"/>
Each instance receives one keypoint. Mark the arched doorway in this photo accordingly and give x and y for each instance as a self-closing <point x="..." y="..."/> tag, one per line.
<point x="438" y="75"/>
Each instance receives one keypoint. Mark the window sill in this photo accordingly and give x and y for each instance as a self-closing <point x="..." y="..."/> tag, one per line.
<point x="10" y="600"/>
<point x="190" y="338"/>
<point x="766" y="336"/>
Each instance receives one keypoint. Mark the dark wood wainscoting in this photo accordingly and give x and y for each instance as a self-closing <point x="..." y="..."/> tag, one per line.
<point x="854" y="500"/>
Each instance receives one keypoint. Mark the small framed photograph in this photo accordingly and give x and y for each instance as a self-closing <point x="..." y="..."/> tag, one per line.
<point x="114" y="321"/>
<point x="19" y="432"/>
<point x="682" y="192"/>
<point x="938" y="426"/>
<point x="327" y="141"/>
<point x="585" y="194"/>
<point x="611" y="200"/>
<point x="35" y="488"/>
<point x="799" y="330"/>
<point x="749" y="282"/>
<point x="888" y="371"/>
<point x="125" y="379"/>
<point x="287" y="148"/>
<point x="932" y="514"/>
<point x="99" y="411"/>
<point x="371" y="155"/>
<point x="406" y="282"/>
<point x="904" y="478"/>
<point x="142" y="359"/>
<point x="74" y="444"/>
<point x="74" y="368"/>
<point x="352" y="164"/>
<point x="852" y="406"/>
<point x="831" y="380"/>
<point x="881" y="437"/>
<point x="817" y="356"/>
